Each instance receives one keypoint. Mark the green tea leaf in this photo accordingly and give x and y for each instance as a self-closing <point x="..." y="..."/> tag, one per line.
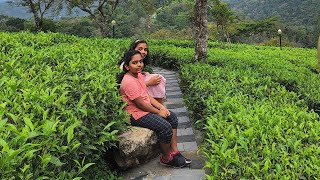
<point x="5" y="147"/>
<point x="32" y="134"/>
<point x="107" y="127"/>
<point x="45" y="159"/>
<point x="75" y="147"/>
<point x="70" y="134"/>
<point x="3" y="123"/>
<point x="85" y="167"/>
<point x="82" y="100"/>
<point x="56" y="161"/>
<point x="25" y="167"/>
<point x="13" y="117"/>
<point x="28" y="123"/>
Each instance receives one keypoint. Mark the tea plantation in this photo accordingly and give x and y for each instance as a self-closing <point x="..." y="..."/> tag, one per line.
<point x="60" y="112"/>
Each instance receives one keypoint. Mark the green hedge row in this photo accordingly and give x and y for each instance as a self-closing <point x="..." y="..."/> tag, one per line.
<point x="258" y="107"/>
<point x="60" y="110"/>
<point x="254" y="127"/>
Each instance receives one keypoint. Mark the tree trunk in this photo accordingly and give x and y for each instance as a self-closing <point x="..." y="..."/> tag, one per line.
<point x="101" y="20"/>
<point x="104" y="30"/>
<point x="201" y="29"/>
<point x="38" y="21"/>
<point x="226" y="34"/>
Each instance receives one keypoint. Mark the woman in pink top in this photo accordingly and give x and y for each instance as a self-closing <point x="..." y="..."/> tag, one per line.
<point x="147" y="112"/>
<point x="156" y="83"/>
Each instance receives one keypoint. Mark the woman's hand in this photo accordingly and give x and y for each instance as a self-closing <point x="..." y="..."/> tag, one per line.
<point x="164" y="112"/>
<point x="154" y="80"/>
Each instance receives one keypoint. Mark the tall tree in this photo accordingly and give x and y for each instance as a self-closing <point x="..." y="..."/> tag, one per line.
<point x="178" y="15"/>
<point x="256" y="28"/>
<point x="201" y="29"/>
<point x="38" y="8"/>
<point x="100" y="11"/>
<point x="223" y="16"/>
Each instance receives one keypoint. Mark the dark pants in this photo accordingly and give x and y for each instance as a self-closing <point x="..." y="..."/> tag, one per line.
<point x="162" y="126"/>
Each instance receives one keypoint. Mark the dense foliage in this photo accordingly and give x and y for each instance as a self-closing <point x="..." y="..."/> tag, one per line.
<point x="299" y="20"/>
<point x="293" y="12"/>
<point x="60" y="110"/>
<point x="258" y="106"/>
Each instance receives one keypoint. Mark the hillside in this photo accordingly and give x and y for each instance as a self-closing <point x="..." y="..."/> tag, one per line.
<point x="21" y="12"/>
<point x="291" y="12"/>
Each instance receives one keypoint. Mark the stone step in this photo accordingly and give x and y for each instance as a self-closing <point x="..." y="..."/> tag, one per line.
<point x="174" y="106"/>
<point x="184" y="174"/>
<point x="174" y="96"/>
<point x="153" y="169"/>
<point x="173" y="101"/>
<point x="173" y="92"/>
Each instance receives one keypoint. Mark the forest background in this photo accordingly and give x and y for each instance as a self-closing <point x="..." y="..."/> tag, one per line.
<point x="244" y="21"/>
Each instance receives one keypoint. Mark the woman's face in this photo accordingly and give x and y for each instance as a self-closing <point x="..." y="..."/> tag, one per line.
<point x="135" y="65"/>
<point x="143" y="48"/>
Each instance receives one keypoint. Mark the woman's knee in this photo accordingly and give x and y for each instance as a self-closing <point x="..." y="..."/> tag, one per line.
<point x="173" y="120"/>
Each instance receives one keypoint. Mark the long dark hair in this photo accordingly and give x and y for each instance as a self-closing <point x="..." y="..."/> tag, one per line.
<point x="124" y="61"/>
<point x="134" y="44"/>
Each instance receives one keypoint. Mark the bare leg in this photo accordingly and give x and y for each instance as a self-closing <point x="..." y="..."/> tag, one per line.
<point x="165" y="148"/>
<point x="174" y="146"/>
<point x="160" y="100"/>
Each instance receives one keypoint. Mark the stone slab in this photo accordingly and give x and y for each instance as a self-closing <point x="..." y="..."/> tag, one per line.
<point x="185" y="131"/>
<point x="184" y="125"/>
<point x="186" y="138"/>
<point x="188" y="146"/>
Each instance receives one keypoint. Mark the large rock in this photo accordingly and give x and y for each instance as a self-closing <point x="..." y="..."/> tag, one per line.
<point x="136" y="146"/>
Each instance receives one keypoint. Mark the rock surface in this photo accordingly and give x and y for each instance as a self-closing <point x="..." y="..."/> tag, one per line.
<point x="136" y="146"/>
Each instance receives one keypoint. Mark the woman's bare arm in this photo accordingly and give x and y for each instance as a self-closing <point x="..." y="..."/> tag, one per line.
<point x="154" y="107"/>
<point x="153" y="81"/>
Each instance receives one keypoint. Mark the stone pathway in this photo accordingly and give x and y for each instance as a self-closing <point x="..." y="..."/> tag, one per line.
<point x="186" y="141"/>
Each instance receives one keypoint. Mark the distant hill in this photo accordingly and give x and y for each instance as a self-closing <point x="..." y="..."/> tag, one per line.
<point x="291" y="12"/>
<point x="7" y="9"/>
<point x="22" y="12"/>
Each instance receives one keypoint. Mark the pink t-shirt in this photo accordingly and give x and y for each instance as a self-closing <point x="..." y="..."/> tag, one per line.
<point x="132" y="88"/>
<point x="156" y="91"/>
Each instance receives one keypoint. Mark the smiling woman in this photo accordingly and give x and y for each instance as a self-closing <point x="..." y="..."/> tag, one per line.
<point x="156" y="83"/>
<point x="135" y="65"/>
<point x="147" y="112"/>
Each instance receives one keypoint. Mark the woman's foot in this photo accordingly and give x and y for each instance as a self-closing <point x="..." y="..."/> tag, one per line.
<point x="177" y="153"/>
<point x="173" y="161"/>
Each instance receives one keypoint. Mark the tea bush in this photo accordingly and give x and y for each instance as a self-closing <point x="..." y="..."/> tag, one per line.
<point x="253" y="105"/>
<point x="60" y="110"/>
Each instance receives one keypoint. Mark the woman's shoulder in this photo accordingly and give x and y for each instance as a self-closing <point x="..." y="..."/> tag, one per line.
<point x="127" y="78"/>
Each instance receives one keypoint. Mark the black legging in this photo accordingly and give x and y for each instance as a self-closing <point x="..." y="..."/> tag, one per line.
<point x="162" y="126"/>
